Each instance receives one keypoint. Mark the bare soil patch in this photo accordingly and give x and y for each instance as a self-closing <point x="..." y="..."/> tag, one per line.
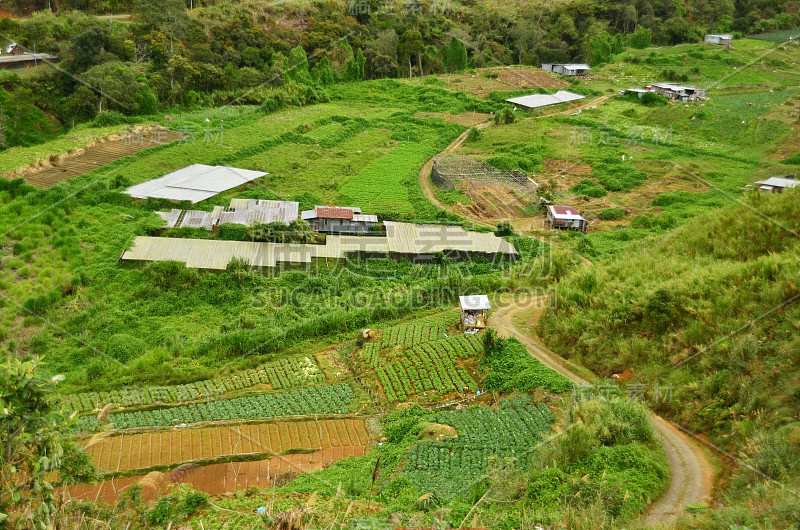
<point x="510" y="78"/>
<point x="216" y="479"/>
<point x="145" y="450"/>
<point x="60" y="167"/>
<point x="492" y="202"/>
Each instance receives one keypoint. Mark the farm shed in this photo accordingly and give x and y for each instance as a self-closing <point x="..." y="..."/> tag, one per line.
<point x="14" y="49"/>
<point x="776" y="184"/>
<point x="570" y="69"/>
<point x="473" y="312"/>
<point x="724" y="40"/>
<point x="194" y="183"/>
<point x="338" y="220"/>
<point x="542" y="100"/>
<point x="677" y="92"/>
<point x="638" y="91"/>
<point x="403" y="240"/>
<point x="241" y="211"/>
<point x="566" y="217"/>
<point x="24" y="60"/>
<point x="421" y="241"/>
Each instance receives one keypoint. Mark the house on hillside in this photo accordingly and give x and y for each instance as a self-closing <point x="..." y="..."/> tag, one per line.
<point x="473" y="313"/>
<point x="677" y="92"/>
<point x="570" y="69"/>
<point x="724" y="40"/>
<point x="14" y="49"/>
<point x="566" y="217"/>
<point x="777" y="185"/>
<point x="15" y="56"/>
<point x="338" y="220"/>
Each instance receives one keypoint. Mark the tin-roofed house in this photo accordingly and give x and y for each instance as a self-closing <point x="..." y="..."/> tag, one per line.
<point x="776" y="185"/>
<point x="724" y="40"/>
<point x="339" y="220"/>
<point x="566" y="217"/>
<point x="570" y="69"/>
<point x="677" y="92"/>
<point x="474" y="313"/>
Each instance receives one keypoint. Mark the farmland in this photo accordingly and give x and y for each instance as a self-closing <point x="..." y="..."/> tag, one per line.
<point x="350" y="388"/>
<point x="167" y="449"/>
<point x="283" y="374"/>
<point x="323" y="399"/>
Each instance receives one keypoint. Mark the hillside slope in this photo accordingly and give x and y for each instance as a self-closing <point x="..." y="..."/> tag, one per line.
<point x="707" y="318"/>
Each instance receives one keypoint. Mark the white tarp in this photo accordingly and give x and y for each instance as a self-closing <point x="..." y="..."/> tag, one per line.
<point x="194" y="183"/>
<point x="542" y="100"/>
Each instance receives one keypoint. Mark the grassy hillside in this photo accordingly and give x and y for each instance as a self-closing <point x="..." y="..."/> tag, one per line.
<point x="710" y="312"/>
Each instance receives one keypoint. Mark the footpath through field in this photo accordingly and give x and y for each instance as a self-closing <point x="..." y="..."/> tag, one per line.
<point x="691" y="473"/>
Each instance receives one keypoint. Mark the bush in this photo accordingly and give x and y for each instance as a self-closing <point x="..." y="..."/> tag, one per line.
<point x="124" y="347"/>
<point x="651" y="99"/>
<point x="233" y="232"/>
<point x="504" y="116"/>
<point x="590" y="189"/>
<point x="612" y="214"/>
<point x="794" y="159"/>
<point x="109" y="118"/>
<point x="474" y="134"/>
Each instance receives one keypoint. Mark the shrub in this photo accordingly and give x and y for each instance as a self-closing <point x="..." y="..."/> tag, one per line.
<point x="109" y="118"/>
<point x="612" y="214"/>
<point x="474" y="134"/>
<point x="124" y="347"/>
<point x="233" y="232"/>
<point x="590" y="189"/>
<point x="651" y="99"/>
<point x="794" y="159"/>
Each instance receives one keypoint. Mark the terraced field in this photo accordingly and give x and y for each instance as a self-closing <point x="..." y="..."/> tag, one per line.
<point x="98" y="156"/>
<point x="216" y="479"/>
<point x="128" y="452"/>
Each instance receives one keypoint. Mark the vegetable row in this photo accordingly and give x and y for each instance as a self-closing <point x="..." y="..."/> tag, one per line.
<point x="282" y="374"/>
<point x="323" y="399"/>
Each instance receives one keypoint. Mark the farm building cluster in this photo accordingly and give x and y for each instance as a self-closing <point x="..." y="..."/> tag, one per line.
<point x="348" y="232"/>
<point x="671" y="91"/>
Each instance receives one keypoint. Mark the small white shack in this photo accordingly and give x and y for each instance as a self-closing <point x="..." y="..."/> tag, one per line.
<point x="473" y="312"/>
<point x="776" y="184"/>
<point x="714" y="38"/>
<point x="570" y="69"/>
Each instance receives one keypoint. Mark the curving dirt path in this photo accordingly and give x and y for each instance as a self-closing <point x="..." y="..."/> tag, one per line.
<point x="424" y="173"/>
<point x="691" y="473"/>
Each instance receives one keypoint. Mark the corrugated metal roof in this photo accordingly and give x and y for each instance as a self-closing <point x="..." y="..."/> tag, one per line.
<point x="778" y="182"/>
<point x="405" y="238"/>
<point x="564" y="212"/>
<point x="249" y="211"/>
<point x="574" y="66"/>
<point x="475" y="302"/>
<point x="194" y="183"/>
<point x="333" y="212"/>
<point x="362" y="218"/>
<point x="542" y="100"/>
<point x="409" y="238"/>
<point x="171" y="217"/>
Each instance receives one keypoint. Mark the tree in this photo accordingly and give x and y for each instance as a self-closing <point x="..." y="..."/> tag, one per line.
<point x="454" y="56"/>
<point x="36" y="447"/>
<point x="166" y="16"/>
<point x="411" y="44"/>
<point x="116" y="83"/>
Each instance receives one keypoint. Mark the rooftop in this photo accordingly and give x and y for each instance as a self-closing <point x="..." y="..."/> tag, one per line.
<point x="194" y="183"/>
<point x="475" y="301"/>
<point x="542" y="100"/>
<point x="564" y="212"/>
<point x="778" y="182"/>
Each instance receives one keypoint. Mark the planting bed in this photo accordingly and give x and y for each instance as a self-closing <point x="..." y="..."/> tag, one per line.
<point x="144" y="450"/>
<point x="216" y="479"/>
<point x="97" y="156"/>
<point x="423" y="330"/>
<point x="511" y="432"/>
<point x="324" y="399"/>
<point x="430" y="366"/>
<point x="283" y="374"/>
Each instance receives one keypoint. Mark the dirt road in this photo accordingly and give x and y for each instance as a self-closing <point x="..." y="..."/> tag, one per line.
<point x="691" y="473"/>
<point x="424" y="173"/>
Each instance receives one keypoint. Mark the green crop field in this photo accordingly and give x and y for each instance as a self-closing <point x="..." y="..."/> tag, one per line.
<point x="679" y="301"/>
